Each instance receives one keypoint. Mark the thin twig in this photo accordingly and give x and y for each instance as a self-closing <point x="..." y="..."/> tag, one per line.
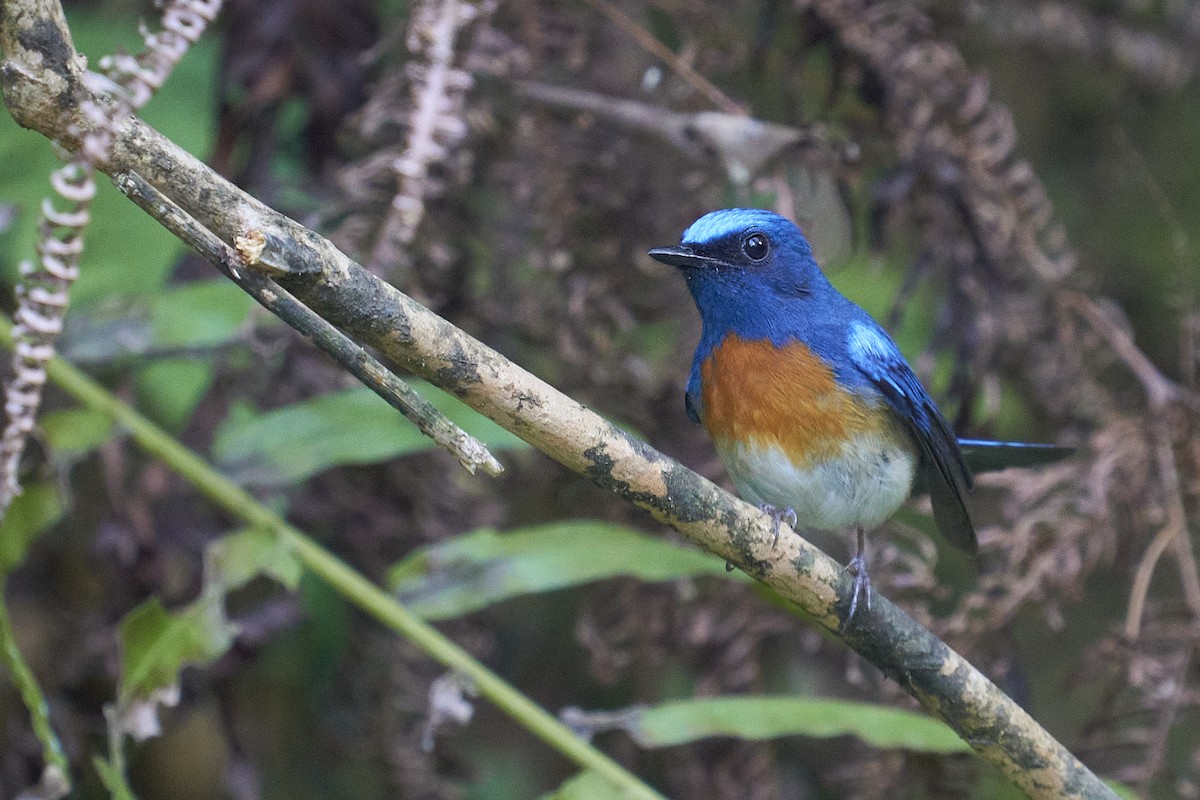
<point x="654" y="47"/>
<point x="1160" y="735"/>
<point x="469" y="451"/>
<point x="1161" y="393"/>
<point x="1174" y="531"/>
<point x="1189" y="575"/>
<point x="743" y="144"/>
<point x="1145" y="571"/>
<point x="1160" y="390"/>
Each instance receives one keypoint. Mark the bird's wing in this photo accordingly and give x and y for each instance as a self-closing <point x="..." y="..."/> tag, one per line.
<point x="943" y="472"/>
<point x="691" y="398"/>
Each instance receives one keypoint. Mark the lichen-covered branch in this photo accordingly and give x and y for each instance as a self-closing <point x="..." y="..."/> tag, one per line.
<point x="232" y="261"/>
<point x="380" y="316"/>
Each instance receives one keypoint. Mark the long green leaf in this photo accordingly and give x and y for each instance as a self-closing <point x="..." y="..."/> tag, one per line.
<point x="759" y="717"/>
<point x="484" y="567"/>
<point x="290" y="444"/>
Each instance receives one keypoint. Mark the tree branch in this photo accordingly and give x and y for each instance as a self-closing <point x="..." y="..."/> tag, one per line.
<point x="243" y="270"/>
<point x="38" y="87"/>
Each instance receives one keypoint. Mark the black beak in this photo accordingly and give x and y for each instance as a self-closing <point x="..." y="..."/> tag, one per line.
<point x="681" y="256"/>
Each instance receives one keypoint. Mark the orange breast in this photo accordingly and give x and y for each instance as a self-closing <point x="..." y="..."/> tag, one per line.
<point x="755" y="393"/>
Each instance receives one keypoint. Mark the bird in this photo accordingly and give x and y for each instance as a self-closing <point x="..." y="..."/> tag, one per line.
<point x="812" y="408"/>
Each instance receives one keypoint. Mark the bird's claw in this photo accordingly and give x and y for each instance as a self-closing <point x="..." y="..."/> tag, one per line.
<point x="861" y="588"/>
<point x="779" y="515"/>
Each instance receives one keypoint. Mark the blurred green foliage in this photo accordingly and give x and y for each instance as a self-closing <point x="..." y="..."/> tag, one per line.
<point x="476" y="569"/>
<point x="127" y="252"/>
<point x="37" y="507"/>
<point x="285" y="446"/>
<point x="585" y="786"/>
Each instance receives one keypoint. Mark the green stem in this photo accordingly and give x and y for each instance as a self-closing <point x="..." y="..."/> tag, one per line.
<point x="31" y="693"/>
<point x="345" y="579"/>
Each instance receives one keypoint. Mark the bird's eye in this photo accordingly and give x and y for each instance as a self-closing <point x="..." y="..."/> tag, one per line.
<point x="756" y="247"/>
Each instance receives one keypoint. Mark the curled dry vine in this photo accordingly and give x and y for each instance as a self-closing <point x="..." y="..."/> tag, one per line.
<point x="126" y="84"/>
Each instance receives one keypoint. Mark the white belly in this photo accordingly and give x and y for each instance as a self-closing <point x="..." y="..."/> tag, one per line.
<point x="861" y="487"/>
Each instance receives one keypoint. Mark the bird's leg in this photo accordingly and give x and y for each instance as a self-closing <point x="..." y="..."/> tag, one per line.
<point x="862" y="581"/>
<point x="779" y="515"/>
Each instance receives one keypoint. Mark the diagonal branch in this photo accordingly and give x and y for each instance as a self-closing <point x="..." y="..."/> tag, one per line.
<point x="380" y="316"/>
<point x="469" y="451"/>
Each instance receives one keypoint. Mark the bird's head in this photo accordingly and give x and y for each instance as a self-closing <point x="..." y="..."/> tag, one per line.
<point x="745" y="268"/>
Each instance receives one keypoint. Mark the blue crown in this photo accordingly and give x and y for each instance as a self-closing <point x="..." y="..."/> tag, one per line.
<point x="718" y="224"/>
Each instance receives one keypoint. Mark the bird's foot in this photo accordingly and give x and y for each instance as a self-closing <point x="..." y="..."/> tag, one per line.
<point x="861" y="588"/>
<point x="779" y="515"/>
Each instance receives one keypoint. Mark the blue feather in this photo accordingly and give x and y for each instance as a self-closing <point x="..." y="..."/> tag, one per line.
<point x="983" y="455"/>
<point x="942" y="470"/>
<point x="776" y="292"/>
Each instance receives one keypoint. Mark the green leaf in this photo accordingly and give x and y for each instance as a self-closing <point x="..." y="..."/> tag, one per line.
<point x="38" y="506"/>
<point x="585" y="786"/>
<point x="112" y="330"/>
<point x="76" y="431"/>
<point x="1123" y="791"/>
<point x="236" y="559"/>
<point x="199" y="314"/>
<point x="354" y="426"/>
<point x="126" y="251"/>
<point x="683" y="721"/>
<point x="169" y="390"/>
<point x="202" y="314"/>
<point x="485" y="567"/>
<point x="157" y="644"/>
<point x="146" y="331"/>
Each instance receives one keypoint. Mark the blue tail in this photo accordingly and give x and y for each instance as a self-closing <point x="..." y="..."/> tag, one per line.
<point x="985" y="456"/>
<point x="950" y="511"/>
